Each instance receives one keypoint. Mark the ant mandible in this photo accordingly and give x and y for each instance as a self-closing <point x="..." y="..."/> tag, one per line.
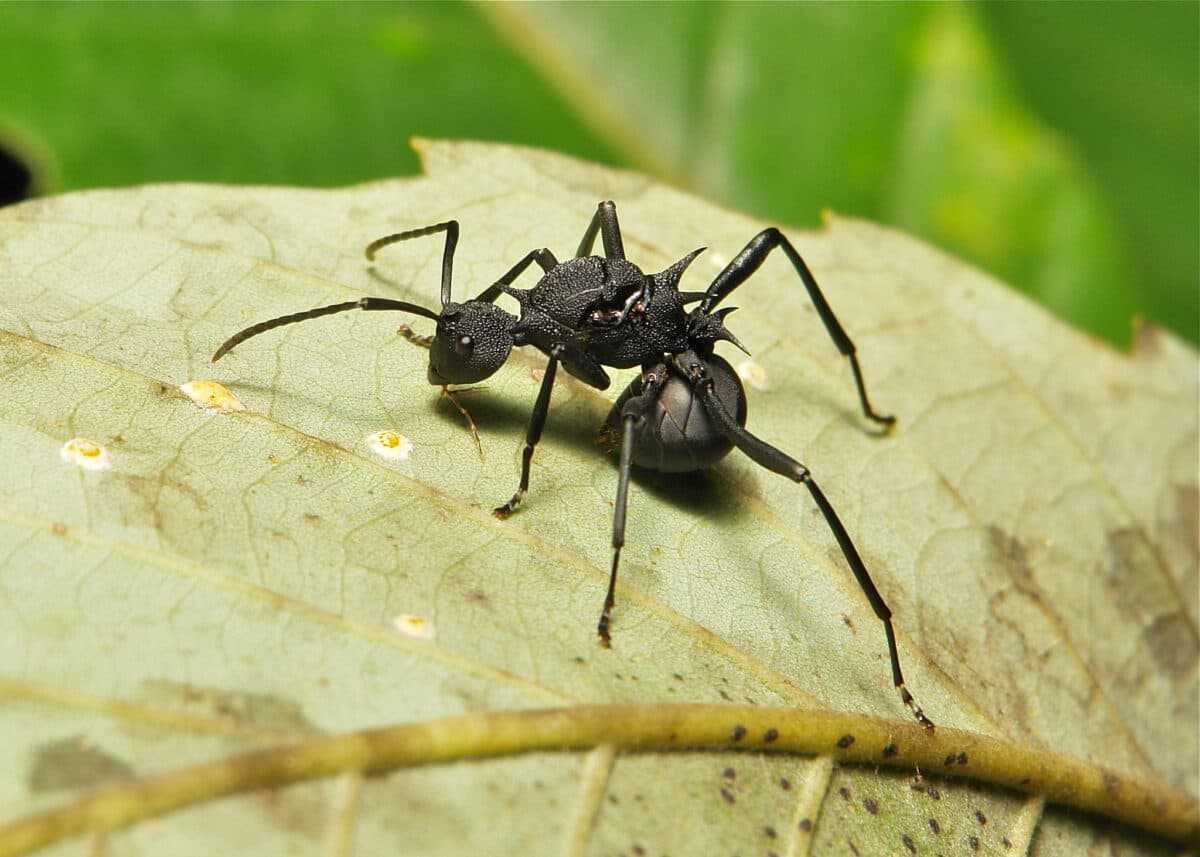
<point x="595" y="311"/>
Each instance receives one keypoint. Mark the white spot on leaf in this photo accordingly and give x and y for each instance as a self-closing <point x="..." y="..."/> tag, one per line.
<point x="753" y="374"/>
<point x="410" y="625"/>
<point x="212" y="395"/>
<point x="84" y="453"/>
<point x="389" y="445"/>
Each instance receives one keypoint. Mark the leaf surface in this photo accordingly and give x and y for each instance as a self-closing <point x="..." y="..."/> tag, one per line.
<point x="237" y="578"/>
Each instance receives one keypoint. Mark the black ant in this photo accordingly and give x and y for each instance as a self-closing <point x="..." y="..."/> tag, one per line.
<point x="595" y="311"/>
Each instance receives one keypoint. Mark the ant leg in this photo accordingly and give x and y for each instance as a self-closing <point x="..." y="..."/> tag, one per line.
<point x="450" y="227"/>
<point x="750" y="260"/>
<point x="605" y="222"/>
<point x="447" y="393"/>
<point x="537" y="420"/>
<point x="767" y="456"/>
<point x="362" y="303"/>
<point x="633" y="413"/>
<point x="543" y="257"/>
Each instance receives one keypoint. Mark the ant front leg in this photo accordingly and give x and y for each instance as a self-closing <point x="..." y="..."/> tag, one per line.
<point x="750" y="260"/>
<point x="450" y="227"/>
<point x="533" y="433"/>
<point x="633" y="416"/>
<point x="605" y="222"/>
<point x="765" y="455"/>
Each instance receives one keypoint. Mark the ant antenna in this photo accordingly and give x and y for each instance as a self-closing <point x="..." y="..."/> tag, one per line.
<point x="362" y="303"/>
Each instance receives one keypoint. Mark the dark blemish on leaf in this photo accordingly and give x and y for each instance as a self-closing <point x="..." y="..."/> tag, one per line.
<point x="974" y="841"/>
<point x="727" y="795"/>
<point x="58" y="529"/>
<point x="725" y="696"/>
<point x="260" y="710"/>
<point x="72" y="763"/>
<point x="613" y="799"/>
<point x="729" y="773"/>
<point x="980" y="817"/>
<point x="908" y="843"/>
<point x="890" y="750"/>
<point x="933" y="793"/>
<point x="1171" y="643"/>
<point x="949" y="760"/>
<point x="750" y="701"/>
<point x="785" y="783"/>
<point x="1112" y="783"/>
<point x="934" y="826"/>
<point x="770" y="735"/>
<point x="845" y="741"/>
<point x="677" y="676"/>
<point x="806" y="824"/>
<point x="638" y="850"/>
<point x="769" y="831"/>
<point x="579" y="660"/>
<point x="619" y="676"/>
<point x="844" y="792"/>
<point x="1004" y="841"/>
<point x="849" y="624"/>
<point x="1025" y="782"/>
<point x="739" y="732"/>
<point x="962" y="758"/>
<point x="871" y="806"/>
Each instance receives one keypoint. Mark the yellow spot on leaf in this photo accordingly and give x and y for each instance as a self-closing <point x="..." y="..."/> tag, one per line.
<point x="212" y="395"/>
<point x="389" y="445"/>
<point x="413" y="626"/>
<point x="753" y="374"/>
<point x="86" y="454"/>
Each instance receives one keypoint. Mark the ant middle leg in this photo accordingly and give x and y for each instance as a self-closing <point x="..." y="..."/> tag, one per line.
<point x="765" y="455"/>
<point x="605" y="222"/>
<point x="633" y="415"/>
<point x="750" y="260"/>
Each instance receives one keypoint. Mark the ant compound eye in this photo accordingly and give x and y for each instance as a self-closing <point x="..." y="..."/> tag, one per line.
<point x="464" y="345"/>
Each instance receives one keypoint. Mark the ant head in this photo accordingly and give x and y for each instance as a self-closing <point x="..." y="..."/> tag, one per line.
<point x="472" y="341"/>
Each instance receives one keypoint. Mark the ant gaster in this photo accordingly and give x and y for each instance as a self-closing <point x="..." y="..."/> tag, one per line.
<point x="595" y="311"/>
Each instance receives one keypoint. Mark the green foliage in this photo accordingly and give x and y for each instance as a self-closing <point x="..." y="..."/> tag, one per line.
<point x="1055" y="145"/>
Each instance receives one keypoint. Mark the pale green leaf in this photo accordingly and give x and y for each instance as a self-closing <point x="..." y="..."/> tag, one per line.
<point x="236" y="578"/>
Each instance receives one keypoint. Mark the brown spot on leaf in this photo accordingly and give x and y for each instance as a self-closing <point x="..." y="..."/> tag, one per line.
<point x="934" y="826"/>
<point x="727" y="796"/>
<point x="1112" y="783"/>
<point x="980" y="817"/>
<point x="258" y="710"/>
<point x="739" y="732"/>
<point x="871" y="806"/>
<point x="770" y="735"/>
<point x="770" y="832"/>
<point x="73" y="763"/>
<point x="844" y="792"/>
<point x="1171" y="643"/>
<point x="908" y="843"/>
<point x="962" y="758"/>
<point x="845" y="741"/>
<point x="933" y="793"/>
<point x="785" y="783"/>
<point x="729" y="773"/>
<point x="806" y="824"/>
<point x="974" y="842"/>
<point x="890" y="750"/>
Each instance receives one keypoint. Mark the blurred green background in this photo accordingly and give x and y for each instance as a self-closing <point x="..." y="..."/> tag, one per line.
<point x="1056" y="145"/>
